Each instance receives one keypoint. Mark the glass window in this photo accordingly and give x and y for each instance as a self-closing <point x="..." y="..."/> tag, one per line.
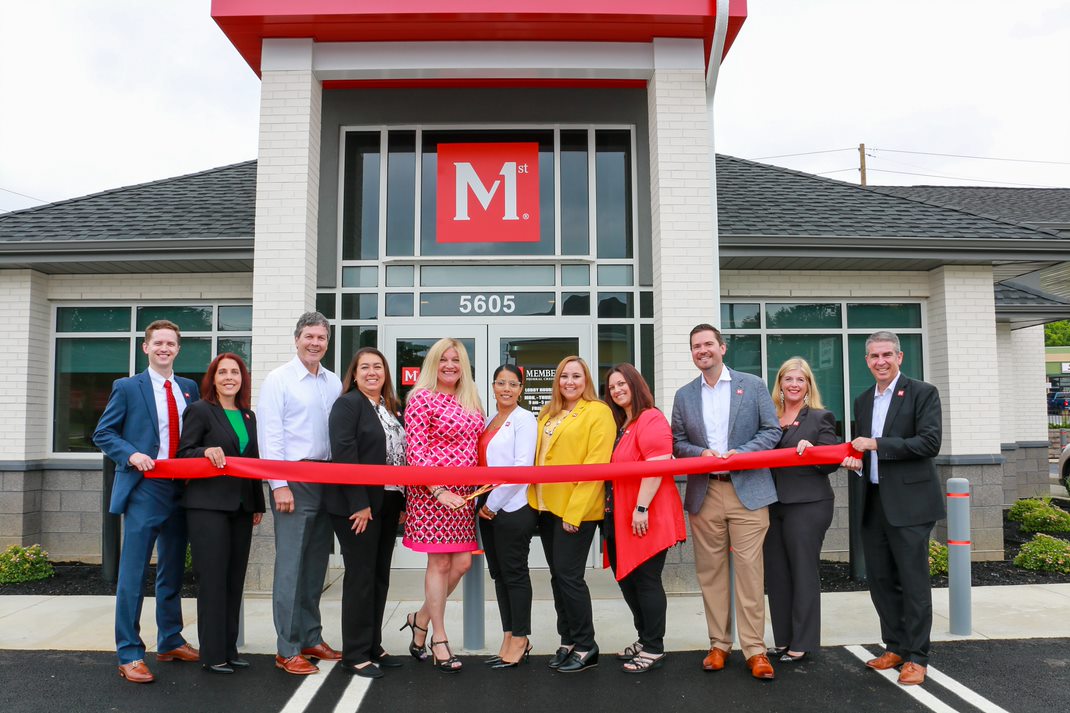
<point x="360" y="306"/>
<point x="646" y="352"/>
<point x="744" y="353"/>
<point x="575" y="303"/>
<point x="360" y="196"/>
<point x="616" y="344"/>
<point x="360" y="276"/>
<point x="399" y="304"/>
<point x="646" y="305"/>
<point x="616" y="305"/>
<point x="235" y="318"/>
<point x="614" y="275"/>
<point x="85" y="370"/>
<point x="740" y="316"/>
<point x="401" y="193"/>
<point x="354" y="338"/>
<point x="400" y="276"/>
<point x="242" y="346"/>
<point x="192" y="361"/>
<point x="93" y="319"/>
<point x="613" y="196"/>
<point x="188" y="319"/>
<point x="487" y="275"/>
<point x="325" y="304"/>
<point x="824" y="354"/>
<point x="802" y="316"/>
<point x="458" y="304"/>
<point x="575" y="194"/>
<point x="575" y="275"/>
<point x="883" y="316"/>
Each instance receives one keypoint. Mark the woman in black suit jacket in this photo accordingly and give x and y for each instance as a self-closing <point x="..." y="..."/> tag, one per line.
<point x="364" y="427"/>
<point x="798" y="522"/>
<point x="222" y="511"/>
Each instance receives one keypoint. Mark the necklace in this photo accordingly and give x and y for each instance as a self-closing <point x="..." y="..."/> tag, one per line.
<point x="553" y="423"/>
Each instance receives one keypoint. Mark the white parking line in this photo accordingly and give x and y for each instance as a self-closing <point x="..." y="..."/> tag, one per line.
<point x="353" y="695"/>
<point x="307" y="690"/>
<point x="916" y="692"/>
<point x="974" y="699"/>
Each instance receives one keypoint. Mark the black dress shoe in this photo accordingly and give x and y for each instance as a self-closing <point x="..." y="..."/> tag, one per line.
<point x="560" y="657"/>
<point x="238" y="663"/>
<point x="580" y="662"/>
<point x="387" y="661"/>
<point x="217" y="668"/>
<point x="368" y="671"/>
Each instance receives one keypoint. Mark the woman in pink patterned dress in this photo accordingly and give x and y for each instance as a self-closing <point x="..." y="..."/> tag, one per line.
<point x="443" y="421"/>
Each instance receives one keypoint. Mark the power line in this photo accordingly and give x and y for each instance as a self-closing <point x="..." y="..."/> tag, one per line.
<point x="32" y="198"/>
<point x="979" y="158"/>
<point x="838" y="170"/>
<point x="805" y="153"/>
<point x="960" y="178"/>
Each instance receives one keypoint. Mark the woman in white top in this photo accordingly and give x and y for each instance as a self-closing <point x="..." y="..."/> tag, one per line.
<point x="507" y="523"/>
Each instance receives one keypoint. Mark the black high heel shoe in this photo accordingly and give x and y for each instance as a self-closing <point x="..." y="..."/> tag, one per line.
<point x="449" y="665"/>
<point x="417" y="652"/>
<point x="502" y="663"/>
<point x="580" y="661"/>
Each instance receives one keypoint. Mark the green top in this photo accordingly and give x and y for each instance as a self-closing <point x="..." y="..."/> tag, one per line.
<point x="237" y="422"/>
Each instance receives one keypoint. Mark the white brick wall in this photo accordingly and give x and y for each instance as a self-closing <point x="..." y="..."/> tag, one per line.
<point x="163" y="286"/>
<point x="24" y="370"/>
<point x="685" y="259"/>
<point x="817" y="284"/>
<point x="963" y="360"/>
<point x="287" y="205"/>
<point x="1007" y="404"/>
<point x="1026" y="368"/>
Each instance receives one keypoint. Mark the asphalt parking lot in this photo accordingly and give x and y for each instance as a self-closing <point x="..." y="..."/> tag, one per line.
<point x="990" y="676"/>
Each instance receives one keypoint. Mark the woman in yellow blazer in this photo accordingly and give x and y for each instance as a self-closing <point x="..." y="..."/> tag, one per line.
<point x="574" y="428"/>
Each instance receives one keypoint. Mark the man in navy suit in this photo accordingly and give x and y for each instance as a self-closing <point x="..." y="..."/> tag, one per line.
<point x="139" y="426"/>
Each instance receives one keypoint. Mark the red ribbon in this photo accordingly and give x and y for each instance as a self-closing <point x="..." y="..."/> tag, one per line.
<point x="349" y="474"/>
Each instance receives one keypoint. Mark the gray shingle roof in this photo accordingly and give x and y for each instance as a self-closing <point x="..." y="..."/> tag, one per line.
<point x="217" y="203"/>
<point x="1023" y="205"/>
<point x="762" y="200"/>
<point x="1016" y="295"/>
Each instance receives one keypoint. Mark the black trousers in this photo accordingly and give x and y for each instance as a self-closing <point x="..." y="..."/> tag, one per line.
<point x="645" y="595"/>
<point x="566" y="554"/>
<point x="366" y="558"/>
<point x="507" y="542"/>
<point x="792" y="571"/>
<point x="219" y="542"/>
<point x="897" y="565"/>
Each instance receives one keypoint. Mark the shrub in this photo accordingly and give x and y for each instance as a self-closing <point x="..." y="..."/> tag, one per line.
<point x="1019" y="510"/>
<point x="937" y="559"/>
<point x="24" y="564"/>
<point x="1046" y="554"/>
<point x="1049" y="519"/>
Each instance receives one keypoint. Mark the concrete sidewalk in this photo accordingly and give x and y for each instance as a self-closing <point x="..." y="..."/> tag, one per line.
<point x="86" y="623"/>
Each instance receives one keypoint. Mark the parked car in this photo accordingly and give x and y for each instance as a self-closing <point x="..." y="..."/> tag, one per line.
<point x="1064" y="468"/>
<point x="1059" y="402"/>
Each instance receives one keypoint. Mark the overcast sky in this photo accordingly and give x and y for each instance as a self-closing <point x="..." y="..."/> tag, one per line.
<point x="99" y="94"/>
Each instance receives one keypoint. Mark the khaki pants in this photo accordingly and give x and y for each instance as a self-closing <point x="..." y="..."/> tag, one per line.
<point x="722" y="523"/>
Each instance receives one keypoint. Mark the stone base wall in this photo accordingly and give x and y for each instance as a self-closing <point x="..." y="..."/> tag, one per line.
<point x="58" y="509"/>
<point x="986" y="507"/>
<point x="1031" y="474"/>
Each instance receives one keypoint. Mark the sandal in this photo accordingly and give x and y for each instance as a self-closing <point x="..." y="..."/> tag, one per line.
<point x="450" y="665"/>
<point x="641" y="663"/>
<point x="417" y="651"/>
<point x="630" y="652"/>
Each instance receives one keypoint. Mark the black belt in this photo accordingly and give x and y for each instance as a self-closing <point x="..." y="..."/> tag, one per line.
<point x="314" y="460"/>
<point x="723" y="477"/>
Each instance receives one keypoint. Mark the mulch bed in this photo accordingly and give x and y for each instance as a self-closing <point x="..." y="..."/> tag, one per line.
<point x="77" y="578"/>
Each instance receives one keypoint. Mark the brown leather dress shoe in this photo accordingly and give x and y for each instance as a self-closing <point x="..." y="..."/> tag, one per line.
<point x="323" y="652"/>
<point x="760" y="667"/>
<point x="885" y="661"/>
<point x="136" y="672"/>
<point x="297" y="665"/>
<point x="912" y="674"/>
<point x="185" y="652"/>
<point x="715" y="659"/>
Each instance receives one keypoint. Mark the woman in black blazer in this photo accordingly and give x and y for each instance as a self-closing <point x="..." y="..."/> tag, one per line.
<point x="365" y="427"/>
<point x="221" y="511"/>
<point x="798" y="522"/>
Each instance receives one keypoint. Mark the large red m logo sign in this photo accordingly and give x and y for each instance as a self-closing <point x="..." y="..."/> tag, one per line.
<point x="488" y="193"/>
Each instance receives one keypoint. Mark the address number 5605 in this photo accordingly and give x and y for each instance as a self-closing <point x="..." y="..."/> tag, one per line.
<point x="487" y="304"/>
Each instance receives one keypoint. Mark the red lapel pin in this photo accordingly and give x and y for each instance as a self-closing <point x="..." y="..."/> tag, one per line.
<point x="739" y="391"/>
<point x="900" y="392"/>
<point x="795" y="423"/>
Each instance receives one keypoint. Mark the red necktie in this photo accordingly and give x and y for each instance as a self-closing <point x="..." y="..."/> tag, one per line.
<point x="172" y="421"/>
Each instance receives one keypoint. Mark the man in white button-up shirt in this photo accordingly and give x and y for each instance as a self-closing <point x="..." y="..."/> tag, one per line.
<point x="294" y="404"/>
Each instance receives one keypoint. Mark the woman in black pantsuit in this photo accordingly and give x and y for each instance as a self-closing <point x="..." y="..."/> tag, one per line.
<point x="364" y="427"/>
<point x="798" y="522"/>
<point x="222" y="511"/>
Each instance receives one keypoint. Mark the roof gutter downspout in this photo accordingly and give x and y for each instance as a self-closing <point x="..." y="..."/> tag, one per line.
<point x="713" y="68"/>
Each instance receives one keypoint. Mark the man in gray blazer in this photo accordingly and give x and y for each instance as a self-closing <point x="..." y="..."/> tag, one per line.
<point x="720" y="413"/>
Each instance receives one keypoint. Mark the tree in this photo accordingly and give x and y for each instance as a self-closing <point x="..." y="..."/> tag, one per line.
<point x="1057" y="334"/>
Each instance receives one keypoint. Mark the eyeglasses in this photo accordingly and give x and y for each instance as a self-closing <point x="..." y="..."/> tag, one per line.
<point x="511" y="384"/>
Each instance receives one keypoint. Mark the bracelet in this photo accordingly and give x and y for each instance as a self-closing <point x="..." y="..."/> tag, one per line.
<point x="437" y="491"/>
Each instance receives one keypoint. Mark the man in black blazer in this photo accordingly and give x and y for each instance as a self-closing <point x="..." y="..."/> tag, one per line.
<point x="898" y="429"/>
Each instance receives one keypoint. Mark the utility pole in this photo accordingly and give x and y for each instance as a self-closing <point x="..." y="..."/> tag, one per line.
<point x="862" y="162"/>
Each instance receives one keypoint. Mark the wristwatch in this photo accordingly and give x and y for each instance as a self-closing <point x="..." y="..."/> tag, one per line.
<point x="640" y="508"/>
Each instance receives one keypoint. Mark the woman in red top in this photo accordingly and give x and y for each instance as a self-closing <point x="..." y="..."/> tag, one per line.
<point x="644" y="518"/>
